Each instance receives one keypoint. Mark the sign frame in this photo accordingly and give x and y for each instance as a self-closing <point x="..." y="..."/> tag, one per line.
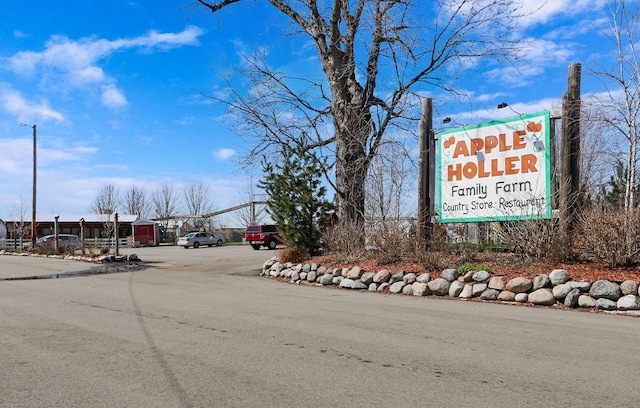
<point x="495" y="171"/>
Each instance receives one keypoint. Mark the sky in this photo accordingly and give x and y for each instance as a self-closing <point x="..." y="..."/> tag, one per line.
<point x="115" y="89"/>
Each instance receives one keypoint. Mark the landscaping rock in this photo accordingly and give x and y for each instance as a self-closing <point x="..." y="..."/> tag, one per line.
<point x="629" y="287"/>
<point x="542" y="297"/>
<point x="586" y="301"/>
<point x="561" y="291"/>
<point x="478" y="288"/>
<point x="456" y="288"/>
<point x="409" y="278"/>
<point x="439" y="287"/>
<point x="347" y="283"/>
<point x="497" y="282"/>
<point x="423" y="278"/>
<point x="558" y="277"/>
<point x="373" y="287"/>
<point x="450" y="274"/>
<point x="382" y="276"/>
<point x="311" y="276"/>
<point x="519" y="285"/>
<point x="606" y="304"/>
<point x="359" y="285"/>
<point x="420" y="289"/>
<point x="337" y="280"/>
<point x="383" y="286"/>
<point x="490" y="294"/>
<point x="506" y="296"/>
<point x="581" y="286"/>
<point x="571" y="299"/>
<point x="396" y="277"/>
<point x="628" y="302"/>
<point x="326" y="279"/>
<point x="521" y="297"/>
<point x="396" y="287"/>
<point x="467" y="292"/>
<point x="541" y="281"/>
<point x="603" y="289"/>
<point x="468" y="277"/>
<point x="407" y="290"/>
<point x="481" y="276"/>
<point x="355" y="273"/>
<point x="367" y="278"/>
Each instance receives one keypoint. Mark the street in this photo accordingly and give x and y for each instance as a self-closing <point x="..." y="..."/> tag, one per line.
<point x="200" y="328"/>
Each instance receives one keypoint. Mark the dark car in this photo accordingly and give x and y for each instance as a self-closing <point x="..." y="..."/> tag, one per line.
<point x="64" y="240"/>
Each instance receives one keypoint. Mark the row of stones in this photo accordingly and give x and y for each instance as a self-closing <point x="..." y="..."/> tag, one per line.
<point x="547" y="290"/>
<point x="97" y="259"/>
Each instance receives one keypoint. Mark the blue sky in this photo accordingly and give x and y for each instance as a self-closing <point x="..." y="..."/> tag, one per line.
<point x="114" y="89"/>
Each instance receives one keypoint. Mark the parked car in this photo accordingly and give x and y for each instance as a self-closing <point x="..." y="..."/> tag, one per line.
<point x="64" y="240"/>
<point x="267" y="235"/>
<point x="196" y="239"/>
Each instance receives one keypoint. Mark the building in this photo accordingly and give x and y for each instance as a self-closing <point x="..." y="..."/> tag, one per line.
<point x="88" y="225"/>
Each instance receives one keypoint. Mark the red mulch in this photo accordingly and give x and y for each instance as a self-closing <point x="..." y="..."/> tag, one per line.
<point x="501" y="264"/>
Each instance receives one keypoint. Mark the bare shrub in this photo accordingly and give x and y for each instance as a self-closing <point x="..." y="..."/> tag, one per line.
<point x="392" y="242"/>
<point x="343" y="241"/>
<point x="536" y="238"/>
<point x="611" y="235"/>
<point x="293" y="255"/>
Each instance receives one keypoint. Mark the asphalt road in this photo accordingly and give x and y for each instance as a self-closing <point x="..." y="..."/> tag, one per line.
<point x="200" y="328"/>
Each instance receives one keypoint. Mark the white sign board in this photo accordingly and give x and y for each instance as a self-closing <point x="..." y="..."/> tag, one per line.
<point x="494" y="171"/>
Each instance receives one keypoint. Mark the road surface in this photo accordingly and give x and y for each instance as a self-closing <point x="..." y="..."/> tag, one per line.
<point x="200" y="328"/>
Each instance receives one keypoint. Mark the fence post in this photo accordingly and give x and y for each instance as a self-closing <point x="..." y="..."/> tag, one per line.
<point x="115" y="233"/>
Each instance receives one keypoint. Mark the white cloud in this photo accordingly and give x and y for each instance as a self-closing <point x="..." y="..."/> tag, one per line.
<point x="112" y="97"/>
<point x="12" y="102"/>
<point x="224" y="154"/>
<point x="75" y="63"/>
<point x="537" y="11"/>
<point x="15" y="153"/>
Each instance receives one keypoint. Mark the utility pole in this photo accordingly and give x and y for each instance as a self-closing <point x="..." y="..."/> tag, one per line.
<point x="570" y="155"/>
<point x="426" y="169"/>
<point x="33" y="195"/>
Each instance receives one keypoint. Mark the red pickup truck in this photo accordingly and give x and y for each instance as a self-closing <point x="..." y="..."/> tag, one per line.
<point x="259" y="235"/>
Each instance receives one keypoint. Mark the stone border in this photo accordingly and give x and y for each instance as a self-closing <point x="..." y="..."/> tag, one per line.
<point x="90" y="259"/>
<point x="554" y="289"/>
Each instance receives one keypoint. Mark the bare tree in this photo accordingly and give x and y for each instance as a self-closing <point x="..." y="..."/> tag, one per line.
<point x="597" y="156"/>
<point x="376" y="55"/>
<point x="165" y="203"/>
<point x="136" y="202"/>
<point x="198" y="198"/>
<point x="388" y="182"/>
<point x="106" y="204"/>
<point x="20" y="226"/>
<point x="620" y="109"/>
<point x="107" y="201"/>
<point x="199" y="201"/>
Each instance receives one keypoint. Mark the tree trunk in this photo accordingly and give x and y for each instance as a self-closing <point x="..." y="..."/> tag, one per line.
<point x="352" y="163"/>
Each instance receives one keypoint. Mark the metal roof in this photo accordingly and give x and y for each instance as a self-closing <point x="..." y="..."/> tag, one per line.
<point x="69" y="218"/>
